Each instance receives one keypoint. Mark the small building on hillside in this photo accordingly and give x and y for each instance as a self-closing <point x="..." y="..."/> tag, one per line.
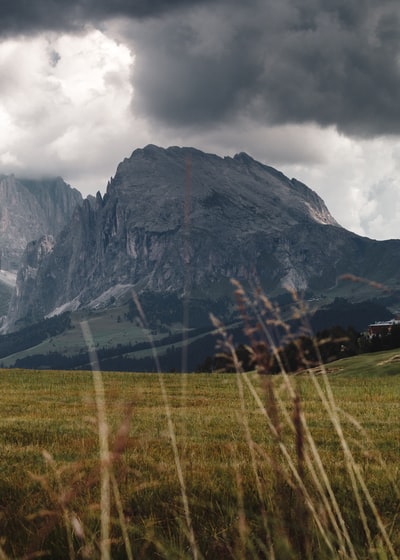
<point x="382" y="328"/>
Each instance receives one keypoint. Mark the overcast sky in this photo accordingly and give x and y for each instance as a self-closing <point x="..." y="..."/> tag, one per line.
<point x="311" y="87"/>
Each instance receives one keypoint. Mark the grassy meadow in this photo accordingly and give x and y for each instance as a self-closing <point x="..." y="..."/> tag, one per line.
<point x="203" y="465"/>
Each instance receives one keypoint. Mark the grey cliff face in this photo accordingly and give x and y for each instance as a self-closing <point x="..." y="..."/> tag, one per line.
<point x="30" y="209"/>
<point x="56" y="199"/>
<point x="176" y="219"/>
<point x="28" y="278"/>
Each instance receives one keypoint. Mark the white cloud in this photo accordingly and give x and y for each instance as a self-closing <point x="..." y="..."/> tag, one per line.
<point x="359" y="181"/>
<point x="66" y="109"/>
<point x="65" y="106"/>
<point x="9" y="159"/>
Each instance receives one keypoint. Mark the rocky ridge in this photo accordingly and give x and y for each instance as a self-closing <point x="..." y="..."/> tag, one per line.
<point x="30" y="209"/>
<point x="177" y="219"/>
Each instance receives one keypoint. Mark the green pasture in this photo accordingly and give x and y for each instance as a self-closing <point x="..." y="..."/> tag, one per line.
<point x="197" y="470"/>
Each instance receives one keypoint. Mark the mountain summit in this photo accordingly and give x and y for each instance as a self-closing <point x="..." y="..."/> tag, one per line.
<point x="177" y="219"/>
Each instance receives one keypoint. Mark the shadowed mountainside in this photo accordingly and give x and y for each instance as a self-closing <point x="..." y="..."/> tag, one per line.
<point x="178" y="220"/>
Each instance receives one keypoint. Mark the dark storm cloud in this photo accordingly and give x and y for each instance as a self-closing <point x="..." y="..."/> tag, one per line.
<point x="328" y="62"/>
<point x="206" y="62"/>
<point x="20" y="16"/>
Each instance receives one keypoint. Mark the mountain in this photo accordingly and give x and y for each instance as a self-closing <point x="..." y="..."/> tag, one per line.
<point x="176" y="221"/>
<point x="57" y="200"/>
<point x="30" y="209"/>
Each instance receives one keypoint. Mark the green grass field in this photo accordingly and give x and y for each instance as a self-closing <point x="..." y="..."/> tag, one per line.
<point x="203" y="466"/>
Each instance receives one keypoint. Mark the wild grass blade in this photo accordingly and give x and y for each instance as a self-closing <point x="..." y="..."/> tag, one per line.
<point x="172" y="435"/>
<point x="105" y="462"/>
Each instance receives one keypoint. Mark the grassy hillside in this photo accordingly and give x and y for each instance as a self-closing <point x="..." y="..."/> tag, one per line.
<point x="121" y="343"/>
<point x="364" y="366"/>
<point x="108" y="328"/>
<point x="203" y="466"/>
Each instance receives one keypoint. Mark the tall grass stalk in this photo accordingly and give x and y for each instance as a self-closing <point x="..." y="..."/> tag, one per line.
<point x="63" y="503"/>
<point x="275" y="431"/>
<point x="252" y="449"/>
<point x="319" y="477"/>
<point x="172" y="435"/>
<point x="243" y="528"/>
<point x="259" y="317"/>
<point x="121" y="517"/>
<point x="105" y="459"/>
<point x="376" y="452"/>
<point x="244" y="304"/>
<point x="357" y="480"/>
<point x="264" y="493"/>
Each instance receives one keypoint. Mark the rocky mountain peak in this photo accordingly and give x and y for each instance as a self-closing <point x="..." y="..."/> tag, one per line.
<point x="243" y="158"/>
<point x="158" y="177"/>
<point x="176" y="218"/>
